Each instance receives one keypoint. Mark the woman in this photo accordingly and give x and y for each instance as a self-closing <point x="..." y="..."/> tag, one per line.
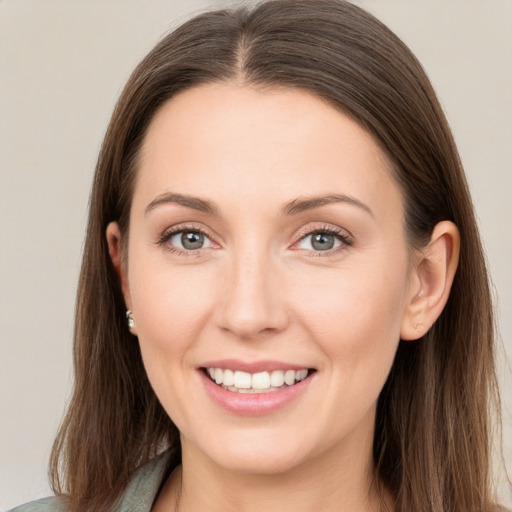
<point x="283" y="301"/>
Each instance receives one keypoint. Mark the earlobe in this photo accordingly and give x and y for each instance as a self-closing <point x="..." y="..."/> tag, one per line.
<point x="432" y="280"/>
<point x="115" y="249"/>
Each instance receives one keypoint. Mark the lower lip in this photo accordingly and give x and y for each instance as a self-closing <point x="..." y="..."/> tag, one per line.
<point x="254" y="404"/>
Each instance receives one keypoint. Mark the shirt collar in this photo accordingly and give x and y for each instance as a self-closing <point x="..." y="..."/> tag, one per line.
<point x="145" y="485"/>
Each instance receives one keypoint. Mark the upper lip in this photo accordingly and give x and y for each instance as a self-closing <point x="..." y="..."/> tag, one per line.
<point x="252" y="366"/>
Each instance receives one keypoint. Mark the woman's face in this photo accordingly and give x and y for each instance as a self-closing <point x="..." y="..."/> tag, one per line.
<point x="266" y="247"/>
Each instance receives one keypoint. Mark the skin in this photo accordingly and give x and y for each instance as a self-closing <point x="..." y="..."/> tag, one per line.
<point x="258" y="289"/>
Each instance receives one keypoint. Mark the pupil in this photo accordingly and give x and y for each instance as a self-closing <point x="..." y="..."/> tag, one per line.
<point x="192" y="240"/>
<point x="323" y="241"/>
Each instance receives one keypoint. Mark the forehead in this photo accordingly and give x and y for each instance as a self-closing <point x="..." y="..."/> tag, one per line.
<point x="217" y="138"/>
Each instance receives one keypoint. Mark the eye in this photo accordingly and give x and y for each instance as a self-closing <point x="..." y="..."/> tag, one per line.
<point x="321" y="241"/>
<point x="188" y="240"/>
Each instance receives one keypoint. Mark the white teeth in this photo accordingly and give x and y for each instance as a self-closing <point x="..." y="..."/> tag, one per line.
<point x="229" y="378"/>
<point x="244" y="382"/>
<point x="301" y="375"/>
<point x="277" y="378"/>
<point x="218" y="376"/>
<point x="261" y="380"/>
<point x="289" y="377"/>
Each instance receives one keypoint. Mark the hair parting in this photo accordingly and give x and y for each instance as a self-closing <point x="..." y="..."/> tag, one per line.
<point x="432" y="441"/>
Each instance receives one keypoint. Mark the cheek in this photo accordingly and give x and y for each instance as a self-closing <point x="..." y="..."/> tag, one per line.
<point x="356" y="324"/>
<point x="171" y="306"/>
<point x="356" y="318"/>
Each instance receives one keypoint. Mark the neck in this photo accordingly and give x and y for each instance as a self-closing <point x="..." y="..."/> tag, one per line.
<point x="340" y="480"/>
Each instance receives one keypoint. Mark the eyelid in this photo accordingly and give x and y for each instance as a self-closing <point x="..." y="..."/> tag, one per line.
<point x="342" y="234"/>
<point x="323" y="227"/>
<point x="171" y="231"/>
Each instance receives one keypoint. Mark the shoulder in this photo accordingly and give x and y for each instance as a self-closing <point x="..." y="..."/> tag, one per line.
<point x="146" y="483"/>
<point x="44" y="505"/>
<point x="138" y="496"/>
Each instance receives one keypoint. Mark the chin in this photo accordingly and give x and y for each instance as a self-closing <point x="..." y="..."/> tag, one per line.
<point x="255" y="451"/>
<point x="261" y="462"/>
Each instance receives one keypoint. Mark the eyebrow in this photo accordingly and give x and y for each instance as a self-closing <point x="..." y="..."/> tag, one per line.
<point x="301" y="205"/>
<point x="292" y="208"/>
<point x="183" y="200"/>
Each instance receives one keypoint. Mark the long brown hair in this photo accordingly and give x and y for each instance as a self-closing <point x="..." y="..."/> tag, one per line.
<point x="432" y="439"/>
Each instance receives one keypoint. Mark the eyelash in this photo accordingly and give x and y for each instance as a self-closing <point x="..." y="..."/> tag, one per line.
<point x="175" y="230"/>
<point x="346" y="240"/>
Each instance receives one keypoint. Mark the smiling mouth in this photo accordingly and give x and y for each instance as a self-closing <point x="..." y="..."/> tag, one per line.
<point x="253" y="383"/>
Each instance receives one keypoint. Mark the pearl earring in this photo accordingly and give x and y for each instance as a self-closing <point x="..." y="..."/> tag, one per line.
<point x="129" y="319"/>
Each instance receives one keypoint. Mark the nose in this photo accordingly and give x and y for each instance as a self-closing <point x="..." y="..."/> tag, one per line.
<point x="252" y="303"/>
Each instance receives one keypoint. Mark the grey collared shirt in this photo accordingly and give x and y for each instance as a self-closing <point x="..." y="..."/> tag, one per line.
<point x="139" y="496"/>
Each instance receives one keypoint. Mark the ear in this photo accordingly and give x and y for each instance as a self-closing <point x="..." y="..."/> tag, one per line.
<point x="115" y="251"/>
<point x="431" y="281"/>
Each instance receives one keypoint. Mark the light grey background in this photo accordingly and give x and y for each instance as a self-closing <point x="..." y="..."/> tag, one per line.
<point x="62" y="66"/>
